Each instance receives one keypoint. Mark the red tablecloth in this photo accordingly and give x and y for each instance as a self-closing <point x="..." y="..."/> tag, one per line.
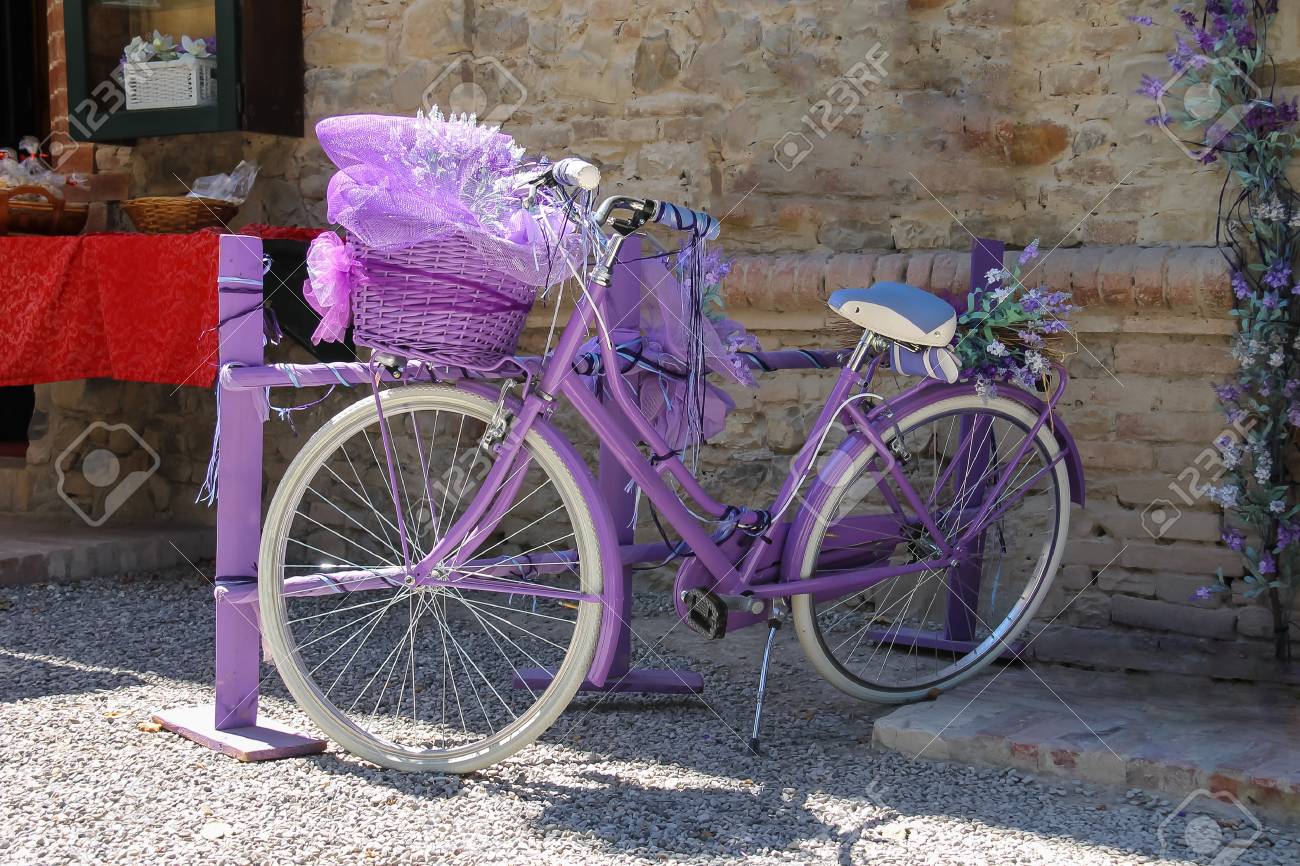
<point x="125" y="306"/>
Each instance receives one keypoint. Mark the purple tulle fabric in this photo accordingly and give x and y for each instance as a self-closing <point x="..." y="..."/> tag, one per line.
<point x="409" y="180"/>
<point x="332" y="272"/>
<point x="687" y="410"/>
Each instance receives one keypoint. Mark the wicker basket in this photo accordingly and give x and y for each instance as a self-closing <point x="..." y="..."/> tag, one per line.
<point x="53" y="216"/>
<point x="170" y="83"/>
<point x="178" y="214"/>
<point x="442" y="302"/>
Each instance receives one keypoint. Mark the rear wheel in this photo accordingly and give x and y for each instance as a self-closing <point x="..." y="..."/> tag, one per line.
<point x="404" y="673"/>
<point x="905" y="637"/>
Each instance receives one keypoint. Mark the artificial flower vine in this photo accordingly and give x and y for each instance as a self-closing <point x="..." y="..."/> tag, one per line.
<point x="1219" y="104"/>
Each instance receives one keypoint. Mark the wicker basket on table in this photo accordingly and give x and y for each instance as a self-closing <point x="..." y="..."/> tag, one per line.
<point x="157" y="215"/>
<point x="35" y="210"/>
<point x="440" y="301"/>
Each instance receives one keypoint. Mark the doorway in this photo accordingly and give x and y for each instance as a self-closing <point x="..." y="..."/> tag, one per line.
<point x="24" y="110"/>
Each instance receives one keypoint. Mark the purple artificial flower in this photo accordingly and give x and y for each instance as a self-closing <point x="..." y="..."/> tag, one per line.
<point x="1158" y="120"/>
<point x="1227" y="393"/>
<point x="1270" y="301"/>
<point x="1267" y="116"/>
<point x="1032" y="302"/>
<point x="1277" y="275"/>
<point x="1235" y="539"/>
<point x="1210" y="156"/>
<point x="1266" y="564"/>
<point x="1246" y="36"/>
<point x="1288" y="534"/>
<point x="1203" y="593"/>
<point x="1181" y="56"/>
<point x="1204" y="40"/>
<point x="1293" y="415"/>
<point x="1188" y="18"/>
<point x="1289" y="388"/>
<point x="1151" y="86"/>
<point x="1144" y="20"/>
<point x="1029" y="252"/>
<point x="1240" y="287"/>
<point x="1238" y="7"/>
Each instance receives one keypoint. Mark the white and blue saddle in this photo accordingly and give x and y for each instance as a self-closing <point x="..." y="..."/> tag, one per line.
<point x="900" y="312"/>
<point x="907" y="315"/>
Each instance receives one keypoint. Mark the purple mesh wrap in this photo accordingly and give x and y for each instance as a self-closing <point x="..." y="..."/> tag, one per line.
<point x="410" y="180"/>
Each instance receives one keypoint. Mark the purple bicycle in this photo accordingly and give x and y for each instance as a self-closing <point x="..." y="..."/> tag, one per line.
<point x="439" y="572"/>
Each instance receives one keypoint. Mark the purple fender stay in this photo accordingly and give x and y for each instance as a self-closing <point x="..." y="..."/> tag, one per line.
<point x="930" y="392"/>
<point x="925" y="394"/>
<point x="610" y="561"/>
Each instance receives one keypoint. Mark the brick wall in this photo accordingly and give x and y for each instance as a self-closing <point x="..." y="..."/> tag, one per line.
<point x="1005" y="119"/>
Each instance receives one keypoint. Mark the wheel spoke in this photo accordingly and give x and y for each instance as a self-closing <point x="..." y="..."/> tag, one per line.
<point x="892" y="638"/>
<point x="432" y="673"/>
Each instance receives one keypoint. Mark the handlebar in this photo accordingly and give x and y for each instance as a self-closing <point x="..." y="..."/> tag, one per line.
<point x="683" y="219"/>
<point x="674" y="216"/>
<point x="572" y="171"/>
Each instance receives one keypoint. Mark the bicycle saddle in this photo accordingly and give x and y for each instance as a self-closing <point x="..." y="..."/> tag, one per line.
<point x="898" y="311"/>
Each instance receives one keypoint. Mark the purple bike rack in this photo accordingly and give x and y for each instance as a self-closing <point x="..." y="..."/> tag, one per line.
<point x="231" y="724"/>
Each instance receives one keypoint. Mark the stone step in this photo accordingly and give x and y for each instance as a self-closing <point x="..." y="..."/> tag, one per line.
<point x="36" y="550"/>
<point x="1174" y="735"/>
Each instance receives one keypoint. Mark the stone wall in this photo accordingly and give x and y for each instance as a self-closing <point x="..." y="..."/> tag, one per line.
<point x="996" y="118"/>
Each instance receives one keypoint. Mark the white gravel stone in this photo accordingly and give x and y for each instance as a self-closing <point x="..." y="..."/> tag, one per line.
<point x="624" y="779"/>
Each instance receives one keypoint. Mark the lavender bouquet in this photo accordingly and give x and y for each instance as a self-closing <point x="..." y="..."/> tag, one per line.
<point x="1009" y="333"/>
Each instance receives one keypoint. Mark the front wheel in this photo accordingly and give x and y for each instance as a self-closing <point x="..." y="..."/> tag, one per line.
<point x="415" y="674"/>
<point x="909" y="636"/>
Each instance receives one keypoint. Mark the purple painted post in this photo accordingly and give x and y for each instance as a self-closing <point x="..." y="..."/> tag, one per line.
<point x="623" y="309"/>
<point x="239" y="476"/>
<point x="969" y="480"/>
<point x="231" y="724"/>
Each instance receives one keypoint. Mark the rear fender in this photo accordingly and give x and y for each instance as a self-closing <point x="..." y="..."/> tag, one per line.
<point x="833" y="469"/>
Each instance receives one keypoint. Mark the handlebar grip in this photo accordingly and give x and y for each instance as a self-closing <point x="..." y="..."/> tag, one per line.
<point x="572" y="171"/>
<point x="683" y="219"/>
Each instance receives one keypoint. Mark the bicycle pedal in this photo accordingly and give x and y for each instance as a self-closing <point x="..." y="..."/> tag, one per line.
<point x="706" y="613"/>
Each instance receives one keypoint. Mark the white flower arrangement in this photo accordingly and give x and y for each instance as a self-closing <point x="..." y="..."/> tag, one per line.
<point x="162" y="47"/>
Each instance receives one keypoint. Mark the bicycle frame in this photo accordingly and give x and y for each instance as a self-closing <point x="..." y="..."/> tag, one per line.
<point x="620" y="425"/>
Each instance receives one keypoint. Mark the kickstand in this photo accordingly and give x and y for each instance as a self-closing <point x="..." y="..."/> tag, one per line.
<point x="772" y="625"/>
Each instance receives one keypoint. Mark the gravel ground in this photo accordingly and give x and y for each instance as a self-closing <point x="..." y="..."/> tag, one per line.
<point x="620" y="780"/>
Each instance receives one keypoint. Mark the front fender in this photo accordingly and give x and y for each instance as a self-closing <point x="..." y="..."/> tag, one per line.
<point x="829" y="477"/>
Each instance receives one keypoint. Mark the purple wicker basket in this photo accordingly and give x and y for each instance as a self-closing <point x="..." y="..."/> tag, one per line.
<point x="440" y="301"/>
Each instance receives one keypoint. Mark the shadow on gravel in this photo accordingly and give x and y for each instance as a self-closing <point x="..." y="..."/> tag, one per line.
<point x="26" y="678"/>
<point x="432" y="786"/>
<point x="145" y="624"/>
<point x="689" y="822"/>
